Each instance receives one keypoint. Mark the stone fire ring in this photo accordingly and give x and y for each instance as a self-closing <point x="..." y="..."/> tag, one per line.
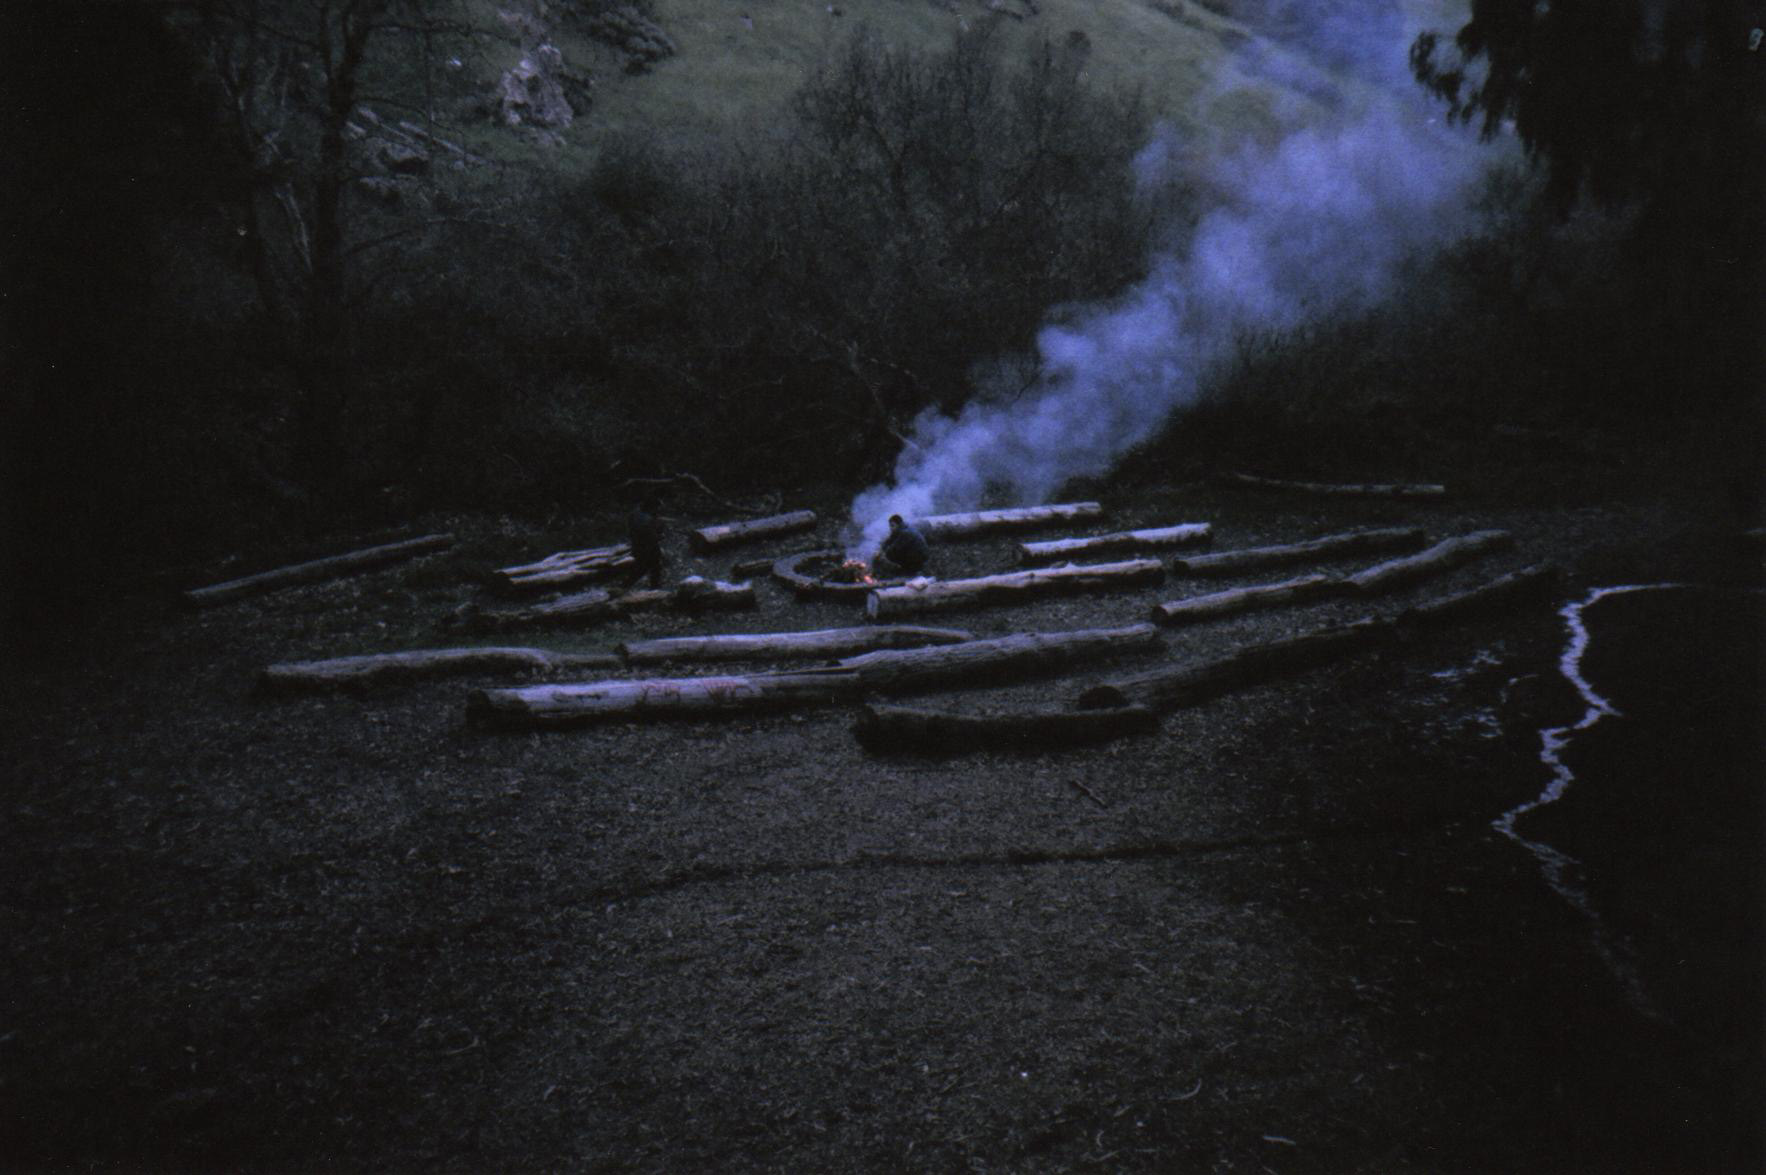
<point x="809" y="586"/>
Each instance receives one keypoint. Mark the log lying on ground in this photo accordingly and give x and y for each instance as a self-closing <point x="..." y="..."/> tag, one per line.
<point x="580" y="608"/>
<point x="954" y="526"/>
<point x="1332" y="546"/>
<point x="563" y="569"/>
<point x="708" y="538"/>
<point x="332" y="567"/>
<point x="749" y="568"/>
<point x="1188" y="534"/>
<point x="1529" y="583"/>
<point x="1336" y="489"/>
<point x="598" y="604"/>
<point x="1443" y="556"/>
<point x="939" y="594"/>
<point x="1023" y="654"/>
<point x="698" y="594"/>
<point x="884" y="729"/>
<point x="1190" y="682"/>
<point x="829" y="642"/>
<point x="375" y="669"/>
<point x="1244" y="599"/>
<point x="551" y="706"/>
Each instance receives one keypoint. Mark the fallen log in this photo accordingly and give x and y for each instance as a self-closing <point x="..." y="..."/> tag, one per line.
<point x="1188" y="534"/>
<point x="709" y="538"/>
<point x="553" y="706"/>
<point x="1526" y="584"/>
<point x="581" y="608"/>
<point x="1188" y="683"/>
<point x="884" y="729"/>
<point x="1336" y="489"/>
<point x="1244" y="599"/>
<point x="954" y="526"/>
<point x="830" y="642"/>
<point x="698" y="594"/>
<point x="373" y="669"/>
<point x="937" y="595"/>
<point x="1443" y="556"/>
<point x="563" y="569"/>
<point x="1022" y="654"/>
<point x="1333" y="546"/>
<point x="331" y="567"/>
<point x="749" y="568"/>
<point x="587" y="607"/>
<point x="566" y="559"/>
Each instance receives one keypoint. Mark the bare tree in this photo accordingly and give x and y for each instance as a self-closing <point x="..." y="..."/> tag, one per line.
<point x="293" y="75"/>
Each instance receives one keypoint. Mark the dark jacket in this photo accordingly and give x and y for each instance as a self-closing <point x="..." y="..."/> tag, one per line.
<point x="907" y="548"/>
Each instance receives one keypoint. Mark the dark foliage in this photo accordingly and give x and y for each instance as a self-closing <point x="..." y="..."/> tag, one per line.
<point x="786" y="306"/>
<point x="106" y="144"/>
<point x="1654" y="111"/>
<point x="1653" y="98"/>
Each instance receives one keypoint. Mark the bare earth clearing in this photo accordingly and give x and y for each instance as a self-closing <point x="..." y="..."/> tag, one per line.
<point x="349" y="931"/>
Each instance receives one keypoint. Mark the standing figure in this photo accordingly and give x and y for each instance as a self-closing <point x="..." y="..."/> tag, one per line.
<point x="905" y="549"/>
<point x="645" y="533"/>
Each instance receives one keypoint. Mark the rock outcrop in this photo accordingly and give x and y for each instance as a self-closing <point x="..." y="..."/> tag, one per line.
<point x="531" y="93"/>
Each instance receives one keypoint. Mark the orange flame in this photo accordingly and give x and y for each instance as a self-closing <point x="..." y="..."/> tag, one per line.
<point x="858" y="570"/>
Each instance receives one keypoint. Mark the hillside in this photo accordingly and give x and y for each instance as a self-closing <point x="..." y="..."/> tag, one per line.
<point x="1220" y="68"/>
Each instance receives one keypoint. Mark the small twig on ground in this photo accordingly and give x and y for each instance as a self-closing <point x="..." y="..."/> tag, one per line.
<point x="1089" y="792"/>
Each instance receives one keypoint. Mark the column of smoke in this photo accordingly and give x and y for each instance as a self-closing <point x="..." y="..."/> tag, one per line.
<point x="1322" y="224"/>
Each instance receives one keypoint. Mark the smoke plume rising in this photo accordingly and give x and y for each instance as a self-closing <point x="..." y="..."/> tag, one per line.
<point x="1318" y="225"/>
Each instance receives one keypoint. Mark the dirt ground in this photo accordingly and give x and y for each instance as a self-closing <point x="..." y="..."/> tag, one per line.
<point x="351" y="932"/>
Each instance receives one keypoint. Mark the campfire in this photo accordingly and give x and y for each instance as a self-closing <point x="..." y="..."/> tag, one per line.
<point x="852" y="571"/>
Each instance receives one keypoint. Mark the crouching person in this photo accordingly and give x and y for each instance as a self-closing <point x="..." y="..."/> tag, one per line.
<point x="905" y="550"/>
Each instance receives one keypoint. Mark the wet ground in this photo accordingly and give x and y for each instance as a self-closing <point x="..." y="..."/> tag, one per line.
<point x="351" y="932"/>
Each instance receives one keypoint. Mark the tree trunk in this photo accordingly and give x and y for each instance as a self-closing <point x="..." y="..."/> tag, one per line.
<point x="730" y="533"/>
<point x="321" y="366"/>
<point x="1335" y="546"/>
<point x="953" y="526"/>
<point x="550" y="706"/>
<point x="936" y="595"/>
<point x="883" y="729"/>
<point x="1023" y="654"/>
<point x="386" y="668"/>
<point x="562" y="570"/>
<point x="1443" y="556"/>
<point x="1528" y="583"/>
<point x="331" y="567"/>
<point x="1244" y="599"/>
<point x="1336" y="489"/>
<point x="1187" y="683"/>
<point x="1188" y="534"/>
<point x="832" y="642"/>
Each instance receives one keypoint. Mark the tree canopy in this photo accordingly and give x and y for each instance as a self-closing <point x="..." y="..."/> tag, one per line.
<point x="1621" y="100"/>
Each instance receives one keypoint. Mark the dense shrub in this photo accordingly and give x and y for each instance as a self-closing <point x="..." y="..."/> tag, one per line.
<point x="782" y="305"/>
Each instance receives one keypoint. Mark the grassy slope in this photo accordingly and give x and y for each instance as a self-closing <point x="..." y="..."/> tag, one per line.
<point x="733" y="75"/>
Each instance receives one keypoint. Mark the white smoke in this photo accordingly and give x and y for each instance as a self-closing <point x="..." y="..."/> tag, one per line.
<point x="1318" y="225"/>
